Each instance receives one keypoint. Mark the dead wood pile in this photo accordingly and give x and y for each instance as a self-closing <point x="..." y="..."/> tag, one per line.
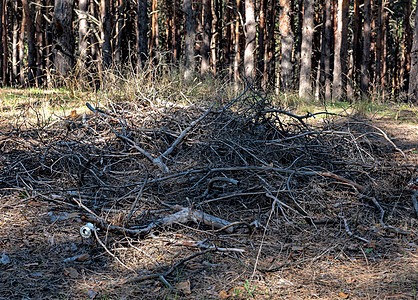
<point x="244" y="167"/>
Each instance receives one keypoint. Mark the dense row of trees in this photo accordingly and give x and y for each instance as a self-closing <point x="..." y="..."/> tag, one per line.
<point x="327" y="49"/>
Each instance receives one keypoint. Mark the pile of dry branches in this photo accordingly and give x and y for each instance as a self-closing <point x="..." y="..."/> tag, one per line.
<point x="240" y="167"/>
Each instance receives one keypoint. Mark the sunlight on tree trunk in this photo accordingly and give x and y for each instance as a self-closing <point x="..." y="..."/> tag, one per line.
<point x="305" y="84"/>
<point x="190" y="61"/>
<point x="249" y="40"/>
<point x="286" y="45"/>
<point x="340" y="52"/>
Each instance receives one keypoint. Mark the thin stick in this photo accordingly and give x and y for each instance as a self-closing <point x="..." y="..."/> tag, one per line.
<point x="183" y="134"/>
<point x="128" y="218"/>
<point x="168" y="272"/>
<point x="110" y="253"/>
<point x="386" y="137"/>
<point x="350" y="233"/>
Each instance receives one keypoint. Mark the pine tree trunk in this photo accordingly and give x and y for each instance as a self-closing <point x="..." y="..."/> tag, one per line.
<point x="206" y="36"/>
<point x="2" y="65"/>
<point x="379" y="76"/>
<point x="250" y="30"/>
<point x="4" y="42"/>
<point x="286" y="45"/>
<point x="365" y="65"/>
<point x="228" y="43"/>
<point x="153" y="43"/>
<point x="355" y="58"/>
<point x="175" y="32"/>
<point x="189" y="56"/>
<point x="237" y="44"/>
<point x="270" y="62"/>
<point x="305" y="85"/>
<point x="413" y="76"/>
<point x="105" y="33"/>
<point x="48" y="43"/>
<point x="63" y="38"/>
<point x="262" y="39"/>
<point x="407" y="42"/>
<point x="30" y="35"/>
<point x="82" y="36"/>
<point x="22" y="49"/>
<point x="141" y="33"/>
<point x="326" y="45"/>
<point x="15" y="45"/>
<point x="168" y="25"/>
<point x="214" y="36"/>
<point x="40" y="42"/>
<point x="340" y="51"/>
<point x="96" y="57"/>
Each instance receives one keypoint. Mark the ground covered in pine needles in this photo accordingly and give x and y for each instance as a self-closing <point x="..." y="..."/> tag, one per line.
<point x="236" y="200"/>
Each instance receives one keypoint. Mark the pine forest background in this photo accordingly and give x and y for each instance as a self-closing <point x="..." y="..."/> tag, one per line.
<point x="323" y="49"/>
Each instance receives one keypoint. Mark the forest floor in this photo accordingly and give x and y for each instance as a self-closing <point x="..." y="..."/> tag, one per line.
<point x="316" y="208"/>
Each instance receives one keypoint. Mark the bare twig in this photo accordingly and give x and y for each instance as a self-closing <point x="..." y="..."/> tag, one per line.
<point x="166" y="273"/>
<point x="131" y="211"/>
<point x="183" y="134"/>
<point x="350" y="233"/>
<point x="110" y="253"/>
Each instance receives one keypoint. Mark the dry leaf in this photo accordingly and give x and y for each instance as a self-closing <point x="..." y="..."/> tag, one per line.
<point x="71" y="272"/>
<point x="92" y="294"/>
<point x="342" y="295"/>
<point x="223" y="294"/>
<point x="83" y="257"/>
<point x="194" y="266"/>
<point x="184" y="286"/>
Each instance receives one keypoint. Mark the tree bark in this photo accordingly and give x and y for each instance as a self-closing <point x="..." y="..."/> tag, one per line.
<point x="141" y="33"/>
<point x="355" y="58"/>
<point x="250" y="31"/>
<point x="153" y="43"/>
<point x="2" y="65"/>
<point x="63" y="38"/>
<point x="237" y="44"/>
<point x="48" y="36"/>
<point x="413" y="76"/>
<point x="206" y="36"/>
<point x="15" y="44"/>
<point x="305" y="84"/>
<point x="82" y="35"/>
<point x="270" y="62"/>
<point x="365" y="65"/>
<point x="214" y="36"/>
<point x="40" y="42"/>
<point x="96" y="57"/>
<point x="30" y="35"/>
<point x="407" y="42"/>
<point x="286" y="45"/>
<point x="340" y="51"/>
<point x="22" y="49"/>
<point x="190" y="61"/>
<point x="228" y="43"/>
<point x="175" y="32"/>
<point x="262" y="39"/>
<point x="326" y="46"/>
<point x="120" y="32"/>
<point x="105" y="33"/>
<point x="380" y="37"/>
<point x="4" y="42"/>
